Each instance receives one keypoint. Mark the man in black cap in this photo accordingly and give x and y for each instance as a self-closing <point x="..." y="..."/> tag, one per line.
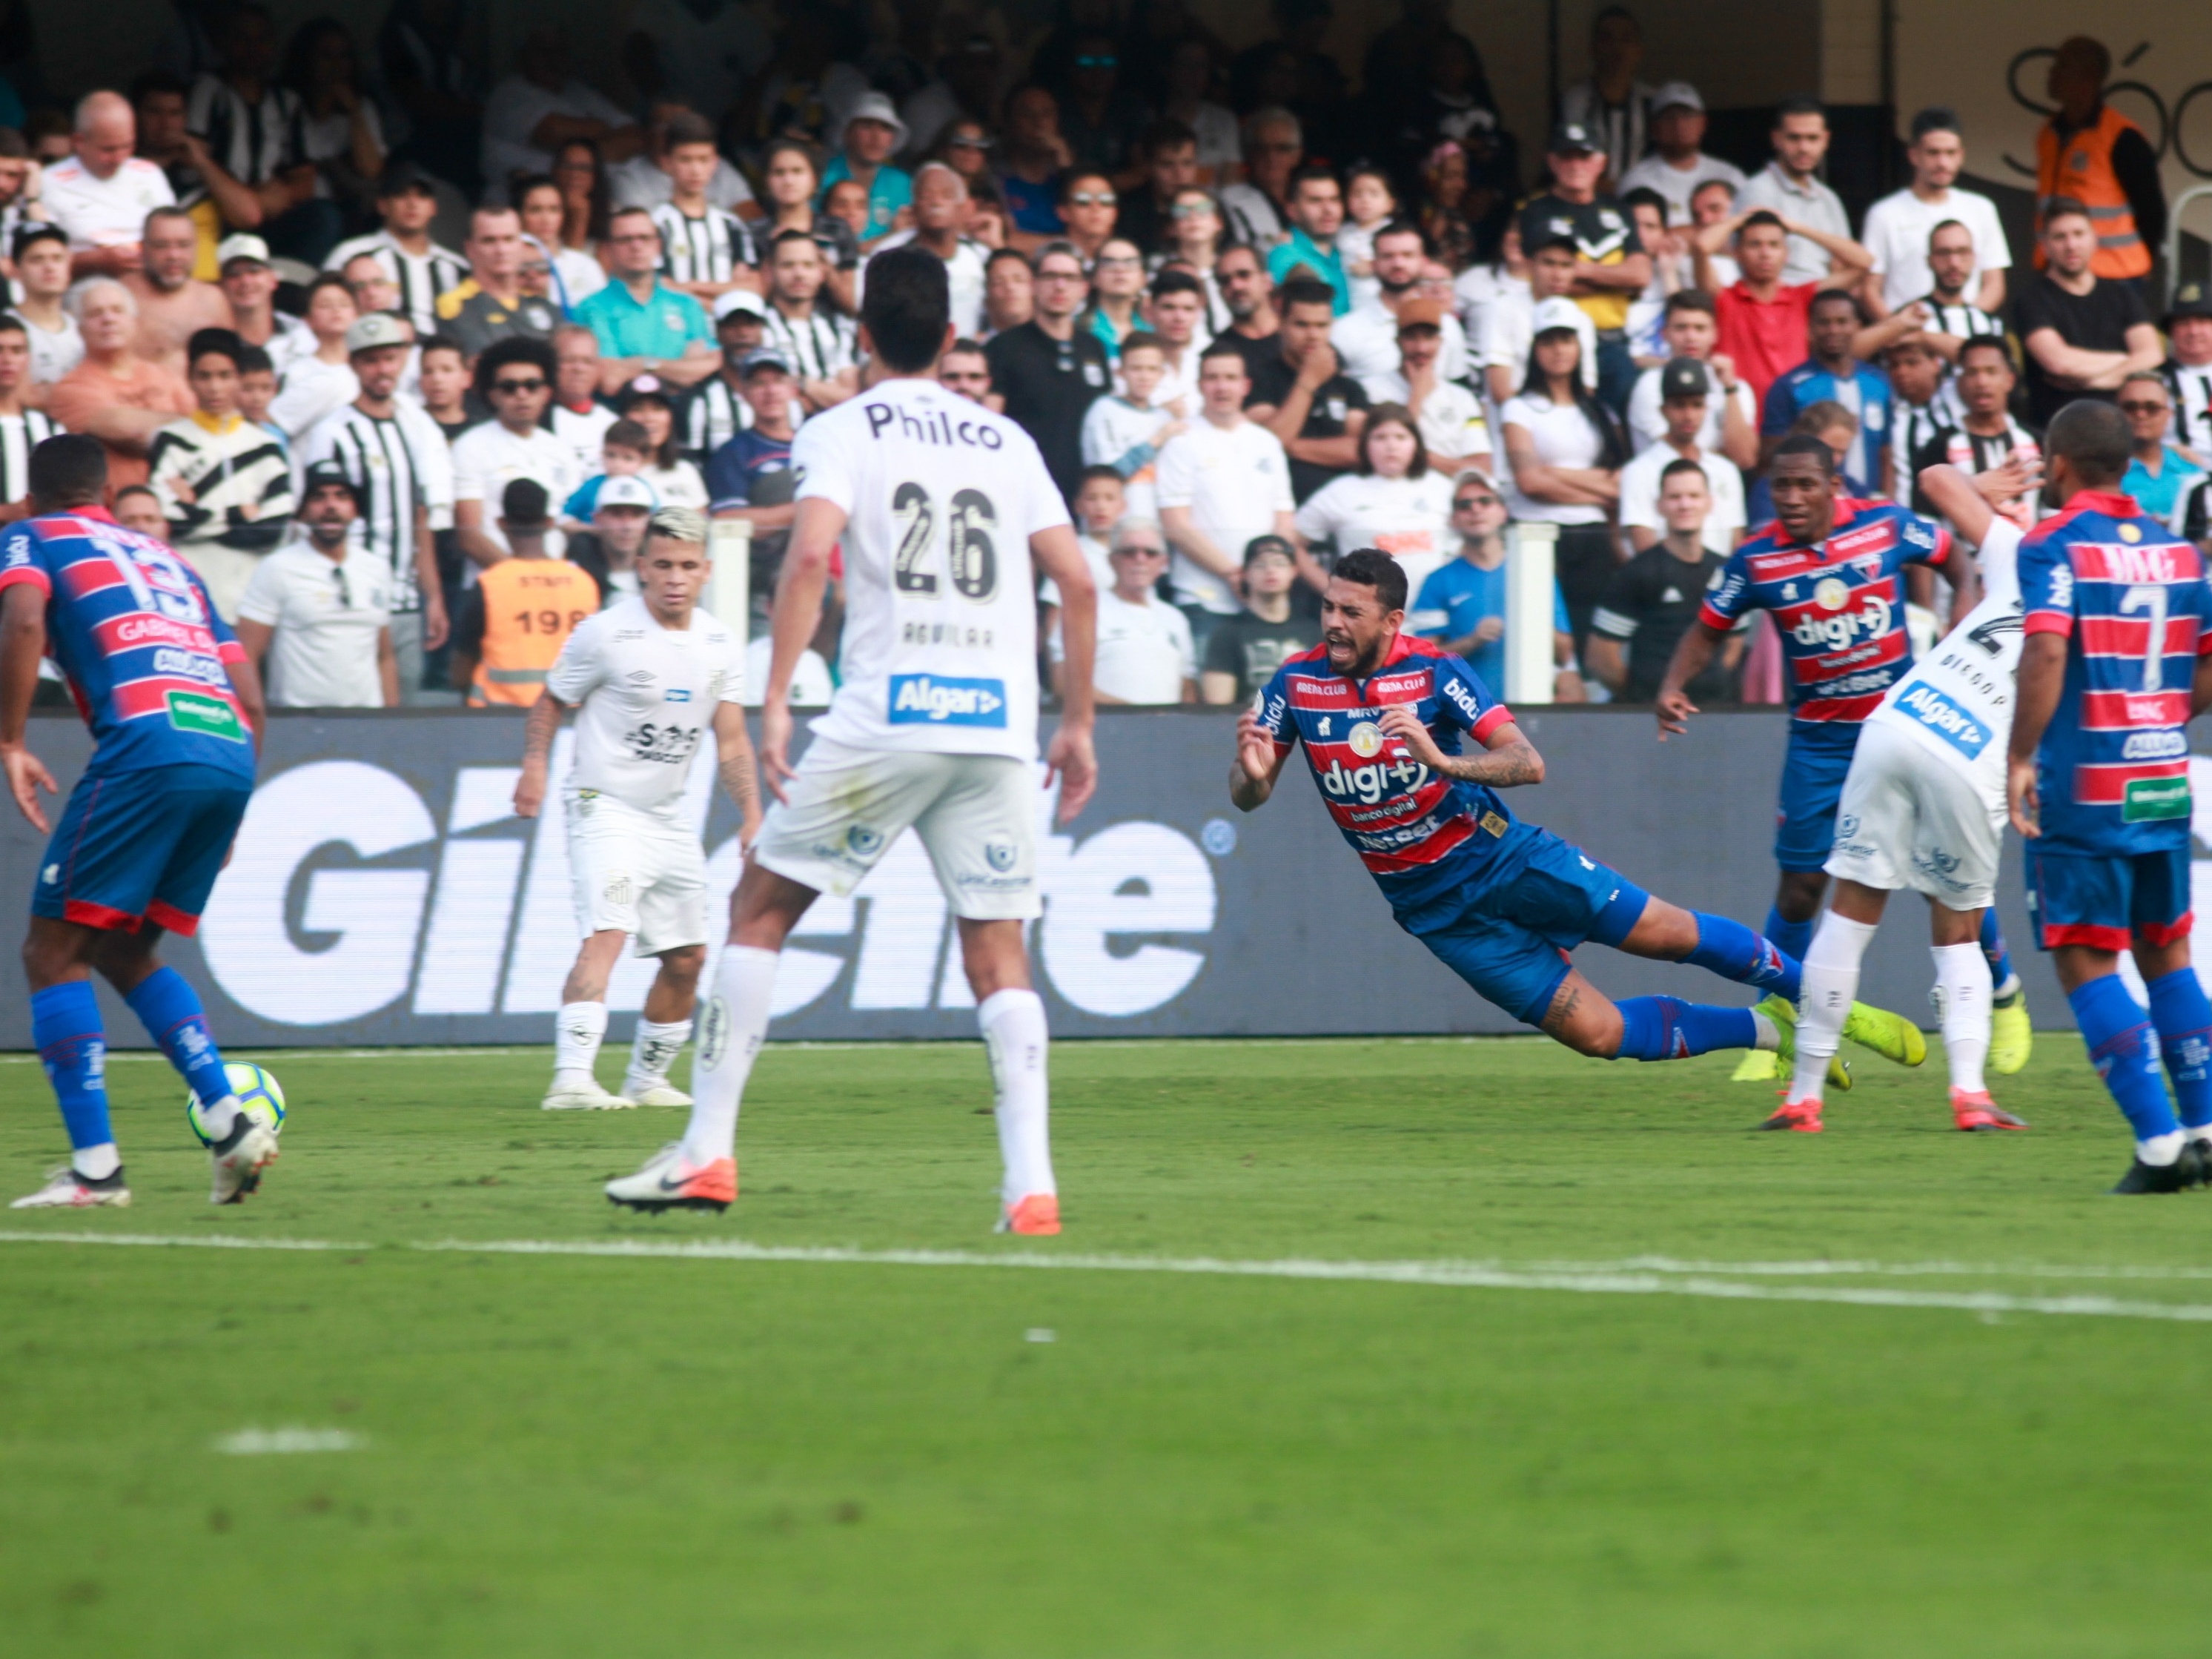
<point x="1611" y="266"/>
<point x="1686" y="389"/>
<point x="2188" y="327"/>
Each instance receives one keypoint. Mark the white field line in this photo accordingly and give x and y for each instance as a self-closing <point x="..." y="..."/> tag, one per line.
<point x="1655" y="1276"/>
<point x="493" y="1051"/>
<point x="254" y="1442"/>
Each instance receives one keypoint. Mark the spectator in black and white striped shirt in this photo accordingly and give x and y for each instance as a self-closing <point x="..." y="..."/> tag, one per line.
<point x="704" y="251"/>
<point x="402" y="474"/>
<point x="822" y="349"/>
<point x="225" y="486"/>
<point x="2189" y="367"/>
<point x="422" y="269"/>
<point x="252" y="128"/>
<point x="21" y="429"/>
<point x="717" y="411"/>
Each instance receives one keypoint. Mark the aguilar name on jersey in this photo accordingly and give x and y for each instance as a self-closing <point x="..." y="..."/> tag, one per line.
<point x="2130" y="597"/>
<point x="1418" y="834"/>
<point x="133" y="629"/>
<point x="1959" y="698"/>
<point x="1839" y="607"/>
<point x="649" y="696"/>
<point x="941" y="496"/>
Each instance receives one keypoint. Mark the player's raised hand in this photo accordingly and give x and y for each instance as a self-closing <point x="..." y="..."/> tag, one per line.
<point x="775" y="744"/>
<point x="1255" y="746"/>
<point x="2021" y="796"/>
<point x="1675" y="709"/>
<point x="27" y="775"/>
<point x="1071" y="758"/>
<point x="1400" y="721"/>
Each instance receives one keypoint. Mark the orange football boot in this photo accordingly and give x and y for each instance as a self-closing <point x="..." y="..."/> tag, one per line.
<point x="1037" y="1215"/>
<point x="1975" y="1111"/>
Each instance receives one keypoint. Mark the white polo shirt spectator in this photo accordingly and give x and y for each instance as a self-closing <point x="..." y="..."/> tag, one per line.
<point x="1234" y="479"/>
<point x="329" y="618"/>
<point x="1897" y="231"/>
<point x="1639" y="495"/>
<point x="1145" y="653"/>
<point x="102" y="212"/>
<point x="489" y="458"/>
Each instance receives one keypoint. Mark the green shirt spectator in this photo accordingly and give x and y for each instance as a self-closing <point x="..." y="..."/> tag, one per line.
<point x="662" y="325"/>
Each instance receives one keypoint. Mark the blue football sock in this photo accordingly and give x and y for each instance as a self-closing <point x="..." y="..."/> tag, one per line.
<point x="1733" y="952"/>
<point x="1994" y="947"/>
<point x="2119" y="1039"/>
<point x="73" y="1047"/>
<point x="1792" y="938"/>
<point x="1668" y="1028"/>
<point x="169" y="1008"/>
<point x="2183" y="1015"/>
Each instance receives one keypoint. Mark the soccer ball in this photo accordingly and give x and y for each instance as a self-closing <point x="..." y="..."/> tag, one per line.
<point x="258" y="1097"/>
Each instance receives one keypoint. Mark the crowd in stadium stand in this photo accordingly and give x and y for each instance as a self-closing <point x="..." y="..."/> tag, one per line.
<point x="1256" y="311"/>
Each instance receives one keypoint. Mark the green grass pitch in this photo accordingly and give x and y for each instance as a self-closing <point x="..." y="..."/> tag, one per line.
<point x="1983" y="1435"/>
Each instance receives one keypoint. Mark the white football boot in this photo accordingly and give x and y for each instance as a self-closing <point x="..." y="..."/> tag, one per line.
<point x="588" y="1095"/>
<point x="653" y="1092"/>
<point x="66" y="1189"/>
<point x="239" y="1158"/>
<point x="669" y="1181"/>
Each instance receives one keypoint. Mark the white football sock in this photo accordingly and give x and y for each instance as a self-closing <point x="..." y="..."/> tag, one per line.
<point x="2160" y="1151"/>
<point x="655" y="1047"/>
<point x="1830" y="980"/>
<point x="1962" y="1010"/>
<point x="220" y="1119"/>
<point x="733" y="1028"/>
<point x="1014" y="1032"/>
<point x="96" y="1163"/>
<point x="578" y="1030"/>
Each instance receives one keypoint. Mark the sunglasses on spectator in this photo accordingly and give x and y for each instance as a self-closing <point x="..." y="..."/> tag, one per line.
<point x="1093" y="198"/>
<point x="1117" y="260"/>
<point x="512" y="386"/>
<point x="2143" y="406"/>
<point x="969" y="143"/>
<point x="1106" y="60"/>
<point x="1469" y="503"/>
<point x="1192" y="210"/>
<point x="1138" y="550"/>
<point x="1060" y="275"/>
<point x="637" y="236"/>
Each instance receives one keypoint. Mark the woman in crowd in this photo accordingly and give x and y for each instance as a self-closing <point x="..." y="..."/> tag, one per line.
<point x="1444" y="204"/>
<point x="340" y="130"/>
<point x="1392" y="499"/>
<point x="674" y="479"/>
<point x="966" y="149"/>
<point x="794" y="179"/>
<point x="1566" y="455"/>
<point x="576" y="275"/>
<point x="316" y="382"/>
<point x="1117" y="283"/>
<point x="1194" y="236"/>
<point x="581" y="172"/>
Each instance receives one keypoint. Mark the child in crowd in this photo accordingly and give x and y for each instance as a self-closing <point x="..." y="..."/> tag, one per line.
<point x="1369" y="205"/>
<point x="1125" y="431"/>
<point x="1100" y="503"/>
<point x="848" y="200"/>
<point x="444" y="386"/>
<point x="623" y="454"/>
<point x="257" y="390"/>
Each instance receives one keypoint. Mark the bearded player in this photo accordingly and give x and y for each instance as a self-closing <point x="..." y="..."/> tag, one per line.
<point x="1382" y="717"/>
<point x="940" y="506"/>
<point x="175" y="711"/>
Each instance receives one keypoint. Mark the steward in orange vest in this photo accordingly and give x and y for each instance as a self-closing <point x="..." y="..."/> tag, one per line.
<point x="2090" y="151"/>
<point x="514" y="621"/>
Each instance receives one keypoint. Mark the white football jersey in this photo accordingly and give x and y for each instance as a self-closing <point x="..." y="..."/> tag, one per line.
<point x="649" y="696"/>
<point x="1959" y="696"/>
<point x="941" y="497"/>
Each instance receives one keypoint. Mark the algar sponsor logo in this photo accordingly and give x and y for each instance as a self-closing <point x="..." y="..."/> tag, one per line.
<point x="932" y="700"/>
<point x="1945" y="718"/>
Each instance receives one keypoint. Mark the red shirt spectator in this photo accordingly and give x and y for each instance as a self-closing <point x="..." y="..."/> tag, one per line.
<point x="1762" y="319"/>
<point x="1763" y="337"/>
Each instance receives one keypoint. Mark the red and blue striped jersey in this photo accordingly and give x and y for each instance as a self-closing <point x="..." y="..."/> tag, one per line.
<point x="1418" y="834"/>
<point x="2128" y="598"/>
<point x="1838" y="607"/>
<point x="133" y="629"/>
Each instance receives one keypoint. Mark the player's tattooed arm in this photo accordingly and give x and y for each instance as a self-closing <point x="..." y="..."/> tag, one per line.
<point x="537" y="752"/>
<point x="733" y="753"/>
<point x="1507" y="760"/>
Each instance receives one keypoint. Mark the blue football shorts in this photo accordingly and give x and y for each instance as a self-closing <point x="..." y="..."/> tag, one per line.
<point x="1812" y="773"/>
<point x="141" y="846"/>
<point x="2109" y="902"/>
<point x="1506" y="932"/>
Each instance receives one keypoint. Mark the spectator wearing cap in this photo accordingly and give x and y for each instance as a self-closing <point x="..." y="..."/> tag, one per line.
<point x="873" y="134"/>
<point x="492" y="305"/>
<point x="1762" y="319"/>
<point x="514" y="621"/>
<point x="1461" y="605"/>
<point x="1452" y="425"/>
<point x="1832" y="374"/>
<point x="822" y="347"/>
<point x="2089" y="152"/>
<point x="1225" y="480"/>
<point x="1145" y="655"/>
<point x="1653" y="598"/>
<point x="607" y="552"/>
<point x="1508" y="325"/>
<point x="1790" y="187"/>
<point x="644" y="325"/>
<point x="1613" y="106"/>
<point x="750" y="476"/>
<point x="1899" y="227"/>
<point x="1611" y="266"/>
<point x="397" y="460"/>
<point x="249" y="283"/>
<point x="173" y="304"/>
<point x="1366" y="338"/>
<point x="42" y="272"/>
<point x="1049" y="370"/>
<point x="2084" y="334"/>
<point x="423" y="271"/>
<point x="113" y="394"/>
<point x="515" y="378"/>
<point x="940" y="212"/>
<point x="1678" y="163"/>
<point x="101" y="194"/>
<point x="579" y="417"/>
<point x="2187" y="323"/>
<point x="314" y="382"/>
<point x="1299" y="394"/>
<point x="1244" y="650"/>
<point x="225" y="485"/>
<point x="1687" y="391"/>
<point x="716" y="410"/>
<point x="1317" y="210"/>
<point x="1566" y="453"/>
<point x="318" y="609"/>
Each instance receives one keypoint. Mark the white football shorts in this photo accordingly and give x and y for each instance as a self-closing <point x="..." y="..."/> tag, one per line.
<point x="976" y="816"/>
<point x="1906" y="819"/>
<point x="637" y="871"/>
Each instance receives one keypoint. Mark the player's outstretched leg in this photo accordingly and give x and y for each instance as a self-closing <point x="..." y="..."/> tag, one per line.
<point x="1590" y="1023"/>
<point x="2012" y="1037"/>
<point x="581" y="1026"/>
<point x="239" y="1147"/>
<point x="663" y="1028"/>
<point x="2183" y="1017"/>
